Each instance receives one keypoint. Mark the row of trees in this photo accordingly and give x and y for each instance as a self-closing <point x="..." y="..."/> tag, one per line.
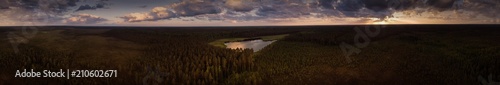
<point x="170" y="56"/>
<point x="184" y="57"/>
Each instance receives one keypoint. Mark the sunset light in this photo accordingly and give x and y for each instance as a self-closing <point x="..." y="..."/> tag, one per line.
<point x="249" y="42"/>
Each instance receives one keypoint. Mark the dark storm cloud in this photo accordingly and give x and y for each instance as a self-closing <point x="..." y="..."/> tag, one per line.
<point x="381" y="8"/>
<point x="4" y="4"/>
<point x="56" y="6"/>
<point x="4" y="7"/>
<point x="348" y="5"/>
<point x="192" y="8"/>
<point x="404" y="4"/>
<point x="88" y="7"/>
<point x="441" y="4"/>
<point x="44" y="11"/>
<point x="326" y="3"/>
<point x="185" y="8"/>
<point x="265" y="9"/>
<point x="489" y="8"/>
<point x="376" y="5"/>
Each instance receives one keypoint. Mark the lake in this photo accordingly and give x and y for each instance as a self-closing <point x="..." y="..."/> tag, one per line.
<point x="256" y="45"/>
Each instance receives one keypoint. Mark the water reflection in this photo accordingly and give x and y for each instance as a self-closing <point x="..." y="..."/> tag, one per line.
<point x="256" y="45"/>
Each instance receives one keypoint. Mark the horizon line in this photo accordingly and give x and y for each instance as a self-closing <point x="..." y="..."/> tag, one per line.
<point x="242" y="25"/>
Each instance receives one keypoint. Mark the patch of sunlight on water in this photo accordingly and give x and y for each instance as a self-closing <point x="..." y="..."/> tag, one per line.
<point x="256" y="45"/>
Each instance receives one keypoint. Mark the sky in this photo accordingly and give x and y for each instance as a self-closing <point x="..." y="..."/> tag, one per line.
<point x="245" y="12"/>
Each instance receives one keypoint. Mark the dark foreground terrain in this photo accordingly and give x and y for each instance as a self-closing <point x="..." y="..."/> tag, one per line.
<point x="398" y="55"/>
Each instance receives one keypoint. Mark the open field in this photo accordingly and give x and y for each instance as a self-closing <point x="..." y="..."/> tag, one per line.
<point x="399" y="55"/>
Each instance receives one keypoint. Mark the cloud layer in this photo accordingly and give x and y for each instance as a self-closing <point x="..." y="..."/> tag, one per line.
<point x="37" y="11"/>
<point x="88" y="7"/>
<point x="266" y="9"/>
<point x="185" y="8"/>
<point x="84" y="19"/>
